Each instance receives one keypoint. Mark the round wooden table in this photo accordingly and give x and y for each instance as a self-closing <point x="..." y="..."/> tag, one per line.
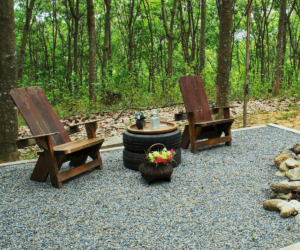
<point x="164" y="127"/>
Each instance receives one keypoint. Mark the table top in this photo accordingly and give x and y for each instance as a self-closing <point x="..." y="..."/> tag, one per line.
<point x="164" y="128"/>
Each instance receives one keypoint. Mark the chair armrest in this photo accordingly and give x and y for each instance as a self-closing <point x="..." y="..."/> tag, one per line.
<point x="82" y="123"/>
<point x="29" y="141"/>
<point x="226" y="111"/>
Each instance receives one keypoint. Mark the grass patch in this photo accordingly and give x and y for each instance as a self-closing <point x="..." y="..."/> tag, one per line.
<point x="287" y="115"/>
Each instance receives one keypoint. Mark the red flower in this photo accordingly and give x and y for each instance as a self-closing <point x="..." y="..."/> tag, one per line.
<point x="170" y="157"/>
<point x="172" y="151"/>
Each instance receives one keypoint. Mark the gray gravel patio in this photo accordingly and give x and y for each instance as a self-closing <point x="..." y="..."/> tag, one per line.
<point x="213" y="202"/>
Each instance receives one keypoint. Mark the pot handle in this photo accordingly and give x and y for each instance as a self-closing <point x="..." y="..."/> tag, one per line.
<point x="154" y="146"/>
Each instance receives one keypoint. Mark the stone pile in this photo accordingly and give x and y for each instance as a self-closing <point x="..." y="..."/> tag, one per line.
<point x="283" y="195"/>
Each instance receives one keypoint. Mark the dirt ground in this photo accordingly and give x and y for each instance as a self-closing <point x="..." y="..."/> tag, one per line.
<point x="292" y="119"/>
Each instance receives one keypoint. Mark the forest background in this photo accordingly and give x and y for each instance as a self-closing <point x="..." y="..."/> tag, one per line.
<point x="112" y="54"/>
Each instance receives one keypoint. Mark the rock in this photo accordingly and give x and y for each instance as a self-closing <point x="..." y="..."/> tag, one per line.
<point x="280" y="196"/>
<point x="296" y="205"/>
<point x="283" y="187"/>
<point x="297" y="218"/>
<point x="280" y="174"/>
<point x="292" y="163"/>
<point x="296" y="148"/>
<point x="287" y="152"/>
<point x="295" y="184"/>
<point x="280" y="159"/>
<point x="293" y="174"/>
<point x="271" y="205"/>
<point x="286" y="209"/>
<point x="283" y="167"/>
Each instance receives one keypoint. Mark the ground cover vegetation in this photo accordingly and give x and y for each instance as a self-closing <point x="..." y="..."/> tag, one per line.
<point x="94" y="56"/>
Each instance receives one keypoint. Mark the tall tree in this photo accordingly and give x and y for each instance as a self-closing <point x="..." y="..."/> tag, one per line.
<point x="225" y="11"/>
<point x="8" y="80"/>
<point x="169" y="34"/>
<point x="106" y="45"/>
<point x="279" y="47"/>
<point x="24" y="38"/>
<point x="151" y="66"/>
<point x="202" y="35"/>
<point x="76" y="16"/>
<point x="92" y="50"/>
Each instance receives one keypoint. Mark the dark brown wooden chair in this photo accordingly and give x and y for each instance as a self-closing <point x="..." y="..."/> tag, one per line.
<point x="51" y="136"/>
<point x="201" y="126"/>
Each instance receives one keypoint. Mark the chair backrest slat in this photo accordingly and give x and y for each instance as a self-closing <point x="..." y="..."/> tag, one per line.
<point x="194" y="97"/>
<point x="39" y="114"/>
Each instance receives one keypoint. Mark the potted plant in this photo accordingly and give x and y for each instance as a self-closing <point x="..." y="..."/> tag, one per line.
<point x="156" y="165"/>
<point x="140" y="119"/>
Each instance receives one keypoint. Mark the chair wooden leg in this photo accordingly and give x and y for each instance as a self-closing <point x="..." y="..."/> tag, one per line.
<point x="40" y="172"/>
<point x="185" y="138"/>
<point x="192" y="131"/>
<point x="46" y="144"/>
<point x="227" y="131"/>
<point x="95" y="154"/>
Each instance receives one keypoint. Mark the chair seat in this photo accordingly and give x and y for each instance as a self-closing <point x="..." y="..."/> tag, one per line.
<point x="74" y="146"/>
<point x="210" y="123"/>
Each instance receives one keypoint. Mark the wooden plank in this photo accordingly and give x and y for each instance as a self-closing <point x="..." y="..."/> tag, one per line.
<point x="214" y="111"/>
<point x="194" y="99"/>
<point x="25" y="111"/>
<point x="36" y="136"/>
<point x="25" y="143"/>
<point x="52" y="114"/>
<point x="74" y="146"/>
<point x="210" y="123"/>
<point x="226" y="112"/>
<point x="185" y="96"/>
<point x="83" y="123"/>
<point x="213" y="141"/>
<point x="32" y="91"/>
<point x="34" y="111"/>
<point x="202" y="99"/>
<point x="192" y="132"/>
<point x="78" y="170"/>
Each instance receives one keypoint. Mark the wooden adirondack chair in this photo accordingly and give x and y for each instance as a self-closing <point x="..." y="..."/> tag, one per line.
<point x="51" y="136"/>
<point x="201" y="126"/>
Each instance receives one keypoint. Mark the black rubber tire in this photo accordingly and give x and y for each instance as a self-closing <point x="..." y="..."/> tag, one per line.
<point x="139" y="143"/>
<point x="133" y="160"/>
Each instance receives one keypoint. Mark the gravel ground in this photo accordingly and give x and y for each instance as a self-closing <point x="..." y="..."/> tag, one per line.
<point x="213" y="202"/>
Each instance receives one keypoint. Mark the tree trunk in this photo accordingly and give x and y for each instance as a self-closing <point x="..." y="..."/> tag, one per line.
<point x="69" y="66"/>
<point x="202" y="35"/>
<point x="24" y="39"/>
<point x="151" y="66"/>
<point x="54" y="31"/>
<point x="76" y="16"/>
<point x="225" y="9"/>
<point x="130" y="36"/>
<point x="8" y="81"/>
<point x="92" y="50"/>
<point x="106" y="45"/>
<point x="279" y="48"/>
<point x="246" y="85"/>
<point x="169" y="34"/>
